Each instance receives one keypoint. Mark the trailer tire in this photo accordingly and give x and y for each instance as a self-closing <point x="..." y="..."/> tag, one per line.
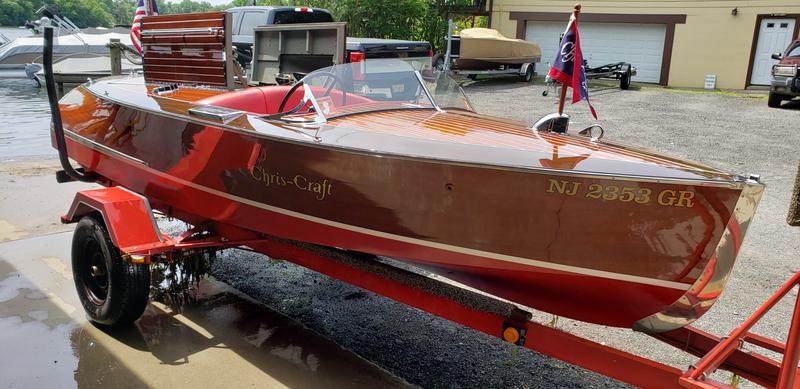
<point x="528" y="76"/>
<point x="625" y="79"/>
<point x="113" y="292"/>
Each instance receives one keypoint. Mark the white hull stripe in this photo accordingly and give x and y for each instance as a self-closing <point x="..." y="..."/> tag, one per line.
<point x="420" y="242"/>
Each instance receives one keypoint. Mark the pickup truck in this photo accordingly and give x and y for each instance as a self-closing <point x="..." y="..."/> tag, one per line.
<point x="785" y="83"/>
<point x="245" y="19"/>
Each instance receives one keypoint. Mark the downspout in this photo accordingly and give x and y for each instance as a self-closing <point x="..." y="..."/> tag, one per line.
<point x="491" y="8"/>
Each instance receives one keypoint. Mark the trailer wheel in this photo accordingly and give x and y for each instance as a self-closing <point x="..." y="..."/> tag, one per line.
<point x="528" y="76"/>
<point x="112" y="291"/>
<point x="625" y="79"/>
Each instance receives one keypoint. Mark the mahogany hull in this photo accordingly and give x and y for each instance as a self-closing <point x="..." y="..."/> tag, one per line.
<point x="599" y="249"/>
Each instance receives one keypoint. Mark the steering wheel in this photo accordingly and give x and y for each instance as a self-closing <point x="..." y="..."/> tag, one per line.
<point x="336" y="79"/>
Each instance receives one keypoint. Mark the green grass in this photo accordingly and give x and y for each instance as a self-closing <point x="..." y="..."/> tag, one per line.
<point x="719" y="92"/>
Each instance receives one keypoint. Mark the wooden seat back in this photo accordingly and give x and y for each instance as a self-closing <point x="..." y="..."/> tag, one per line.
<point x="188" y="49"/>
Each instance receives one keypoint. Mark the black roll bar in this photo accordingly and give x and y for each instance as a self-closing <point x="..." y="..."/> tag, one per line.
<point x="55" y="112"/>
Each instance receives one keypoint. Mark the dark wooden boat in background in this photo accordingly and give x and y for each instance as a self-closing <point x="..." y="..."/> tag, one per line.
<point x="567" y="224"/>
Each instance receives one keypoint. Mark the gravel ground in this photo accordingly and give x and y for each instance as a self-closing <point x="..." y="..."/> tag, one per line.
<point x="735" y="133"/>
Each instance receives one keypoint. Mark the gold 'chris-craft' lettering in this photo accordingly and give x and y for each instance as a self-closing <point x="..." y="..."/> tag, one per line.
<point x="321" y="189"/>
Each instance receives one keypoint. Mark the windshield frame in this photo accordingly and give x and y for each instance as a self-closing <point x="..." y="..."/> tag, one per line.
<point x="316" y="117"/>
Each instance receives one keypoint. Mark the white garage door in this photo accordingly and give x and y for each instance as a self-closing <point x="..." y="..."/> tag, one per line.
<point x="642" y="45"/>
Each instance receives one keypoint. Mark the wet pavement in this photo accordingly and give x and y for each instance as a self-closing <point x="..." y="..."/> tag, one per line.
<point x="293" y="328"/>
<point x="222" y="339"/>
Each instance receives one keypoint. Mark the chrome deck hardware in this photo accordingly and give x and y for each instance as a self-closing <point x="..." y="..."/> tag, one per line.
<point x="554" y="122"/>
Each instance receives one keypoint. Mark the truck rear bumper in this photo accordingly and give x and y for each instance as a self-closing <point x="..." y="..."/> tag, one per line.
<point x="789" y="86"/>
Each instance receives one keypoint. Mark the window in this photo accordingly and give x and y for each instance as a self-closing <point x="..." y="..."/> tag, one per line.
<point x="236" y="18"/>
<point x="251" y="20"/>
<point x="794" y="52"/>
<point x="770" y="25"/>
<point x="784" y="25"/>
<point x="292" y="16"/>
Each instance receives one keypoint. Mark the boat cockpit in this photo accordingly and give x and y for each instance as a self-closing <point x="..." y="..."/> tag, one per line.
<point x="347" y="89"/>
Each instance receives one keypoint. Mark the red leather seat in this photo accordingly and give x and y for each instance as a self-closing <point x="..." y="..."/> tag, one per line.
<point x="265" y="100"/>
<point x="248" y="100"/>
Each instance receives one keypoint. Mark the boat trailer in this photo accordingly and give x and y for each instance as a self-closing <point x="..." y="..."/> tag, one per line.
<point x="621" y="71"/>
<point x="131" y="225"/>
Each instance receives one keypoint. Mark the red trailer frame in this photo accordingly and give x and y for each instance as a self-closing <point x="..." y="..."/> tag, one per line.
<point x="140" y="241"/>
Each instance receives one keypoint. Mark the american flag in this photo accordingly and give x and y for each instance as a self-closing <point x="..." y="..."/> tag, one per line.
<point x="136" y="28"/>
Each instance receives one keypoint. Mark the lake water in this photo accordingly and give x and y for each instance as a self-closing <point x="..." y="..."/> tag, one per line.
<point x="24" y="115"/>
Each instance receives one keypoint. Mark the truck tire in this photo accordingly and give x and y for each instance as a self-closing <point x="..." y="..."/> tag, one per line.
<point x="774" y="100"/>
<point x="625" y="79"/>
<point x="113" y="292"/>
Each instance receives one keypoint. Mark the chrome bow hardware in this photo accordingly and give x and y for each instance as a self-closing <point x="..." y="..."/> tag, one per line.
<point x="589" y="132"/>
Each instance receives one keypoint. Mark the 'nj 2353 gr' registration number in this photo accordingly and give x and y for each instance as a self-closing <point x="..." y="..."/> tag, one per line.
<point x="623" y="193"/>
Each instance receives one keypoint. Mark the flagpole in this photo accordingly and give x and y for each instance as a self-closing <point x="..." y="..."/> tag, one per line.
<point x="575" y="11"/>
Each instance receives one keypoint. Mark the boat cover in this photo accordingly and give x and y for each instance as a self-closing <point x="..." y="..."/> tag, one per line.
<point x="487" y="44"/>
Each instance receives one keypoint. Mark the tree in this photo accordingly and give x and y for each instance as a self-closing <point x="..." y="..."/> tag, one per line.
<point x="424" y="20"/>
<point x="84" y="13"/>
<point x="379" y="18"/>
<point x="15" y="12"/>
<point x="188" y="6"/>
<point x="121" y="10"/>
<point x="433" y="26"/>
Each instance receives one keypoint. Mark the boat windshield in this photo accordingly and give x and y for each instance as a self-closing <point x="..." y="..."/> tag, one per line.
<point x="369" y="86"/>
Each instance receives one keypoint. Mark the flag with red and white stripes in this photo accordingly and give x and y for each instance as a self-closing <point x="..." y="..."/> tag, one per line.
<point x="136" y="28"/>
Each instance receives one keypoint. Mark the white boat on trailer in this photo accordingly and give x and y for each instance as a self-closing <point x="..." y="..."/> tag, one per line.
<point x="22" y="57"/>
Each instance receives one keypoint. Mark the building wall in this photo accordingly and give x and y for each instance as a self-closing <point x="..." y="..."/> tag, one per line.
<point x="712" y="41"/>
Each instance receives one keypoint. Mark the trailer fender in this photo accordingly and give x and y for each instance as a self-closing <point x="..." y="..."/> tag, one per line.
<point x="127" y="216"/>
<point x="524" y="68"/>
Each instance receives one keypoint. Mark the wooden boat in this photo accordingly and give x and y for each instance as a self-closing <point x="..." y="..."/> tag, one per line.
<point x="565" y="223"/>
